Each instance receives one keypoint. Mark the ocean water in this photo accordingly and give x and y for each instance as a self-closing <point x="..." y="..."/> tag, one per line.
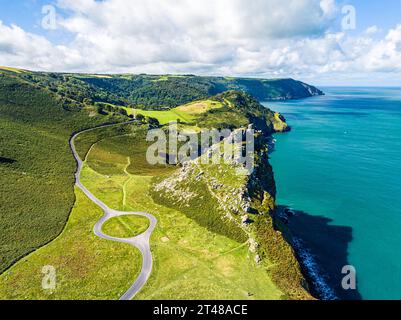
<point x="340" y="171"/>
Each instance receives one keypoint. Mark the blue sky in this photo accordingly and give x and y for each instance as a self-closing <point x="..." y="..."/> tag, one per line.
<point x="385" y="14"/>
<point x="303" y="39"/>
<point x="27" y="13"/>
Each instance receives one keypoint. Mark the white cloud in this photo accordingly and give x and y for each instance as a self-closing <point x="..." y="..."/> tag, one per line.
<point x="372" y="30"/>
<point x="233" y="37"/>
<point x="119" y="34"/>
<point x="385" y="55"/>
<point x="225" y="19"/>
<point x="22" y="49"/>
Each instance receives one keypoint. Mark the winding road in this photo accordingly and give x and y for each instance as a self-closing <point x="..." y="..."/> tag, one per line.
<point x="141" y="242"/>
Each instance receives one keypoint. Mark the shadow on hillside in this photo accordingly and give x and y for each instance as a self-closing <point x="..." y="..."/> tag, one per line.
<point x="326" y="243"/>
<point x="6" y="160"/>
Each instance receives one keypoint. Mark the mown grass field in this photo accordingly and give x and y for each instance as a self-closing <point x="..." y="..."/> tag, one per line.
<point x="187" y="113"/>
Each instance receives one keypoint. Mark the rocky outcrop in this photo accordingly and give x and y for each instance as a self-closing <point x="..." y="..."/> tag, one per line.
<point x="244" y="202"/>
<point x="227" y="199"/>
<point x="280" y="123"/>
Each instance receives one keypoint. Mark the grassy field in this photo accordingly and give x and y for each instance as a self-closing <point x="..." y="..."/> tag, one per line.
<point x="87" y="267"/>
<point x="126" y="226"/>
<point x="164" y="117"/>
<point x="196" y="255"/>
<point x="229" y="110"/>
<point x="117" y="154"/>
<point x="191" y="262"/>
<point x="187" y="113"/>
<point x="12" y="69"/>
<point x="37" y="175"/>
<point x="201" y="213"/>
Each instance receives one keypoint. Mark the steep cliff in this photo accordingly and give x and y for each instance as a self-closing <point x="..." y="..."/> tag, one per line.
<point x="227" y="199"/>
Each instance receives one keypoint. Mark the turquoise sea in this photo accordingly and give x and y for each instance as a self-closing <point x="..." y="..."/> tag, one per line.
<point x="340" y="171"/>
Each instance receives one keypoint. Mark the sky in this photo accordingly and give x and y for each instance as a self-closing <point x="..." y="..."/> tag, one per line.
<point x="322" y="42"/>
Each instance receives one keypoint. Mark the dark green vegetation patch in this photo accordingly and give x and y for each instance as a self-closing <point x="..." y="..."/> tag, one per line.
<point x="156" y="92"/>
<point x="37" y="166"/>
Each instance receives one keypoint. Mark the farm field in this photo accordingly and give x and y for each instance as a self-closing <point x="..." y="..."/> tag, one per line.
<point x="186" y="113"/>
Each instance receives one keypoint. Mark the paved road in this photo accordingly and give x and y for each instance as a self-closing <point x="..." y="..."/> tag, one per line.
<point x="142" y="242"/>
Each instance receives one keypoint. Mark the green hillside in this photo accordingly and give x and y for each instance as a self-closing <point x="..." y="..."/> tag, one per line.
<point x="157" y="92"/>
<point x="36" y="167"/>
<point x="204" y="234"/>
<point x="171" y="91"/>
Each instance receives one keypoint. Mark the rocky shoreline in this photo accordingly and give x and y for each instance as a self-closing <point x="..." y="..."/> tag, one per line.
<point x="240" y="206"/>
<point x="311" y="270"/>
<point x="314" y="276"/>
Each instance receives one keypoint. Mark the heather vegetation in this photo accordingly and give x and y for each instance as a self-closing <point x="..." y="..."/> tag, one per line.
<point x="37" y="167"/>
